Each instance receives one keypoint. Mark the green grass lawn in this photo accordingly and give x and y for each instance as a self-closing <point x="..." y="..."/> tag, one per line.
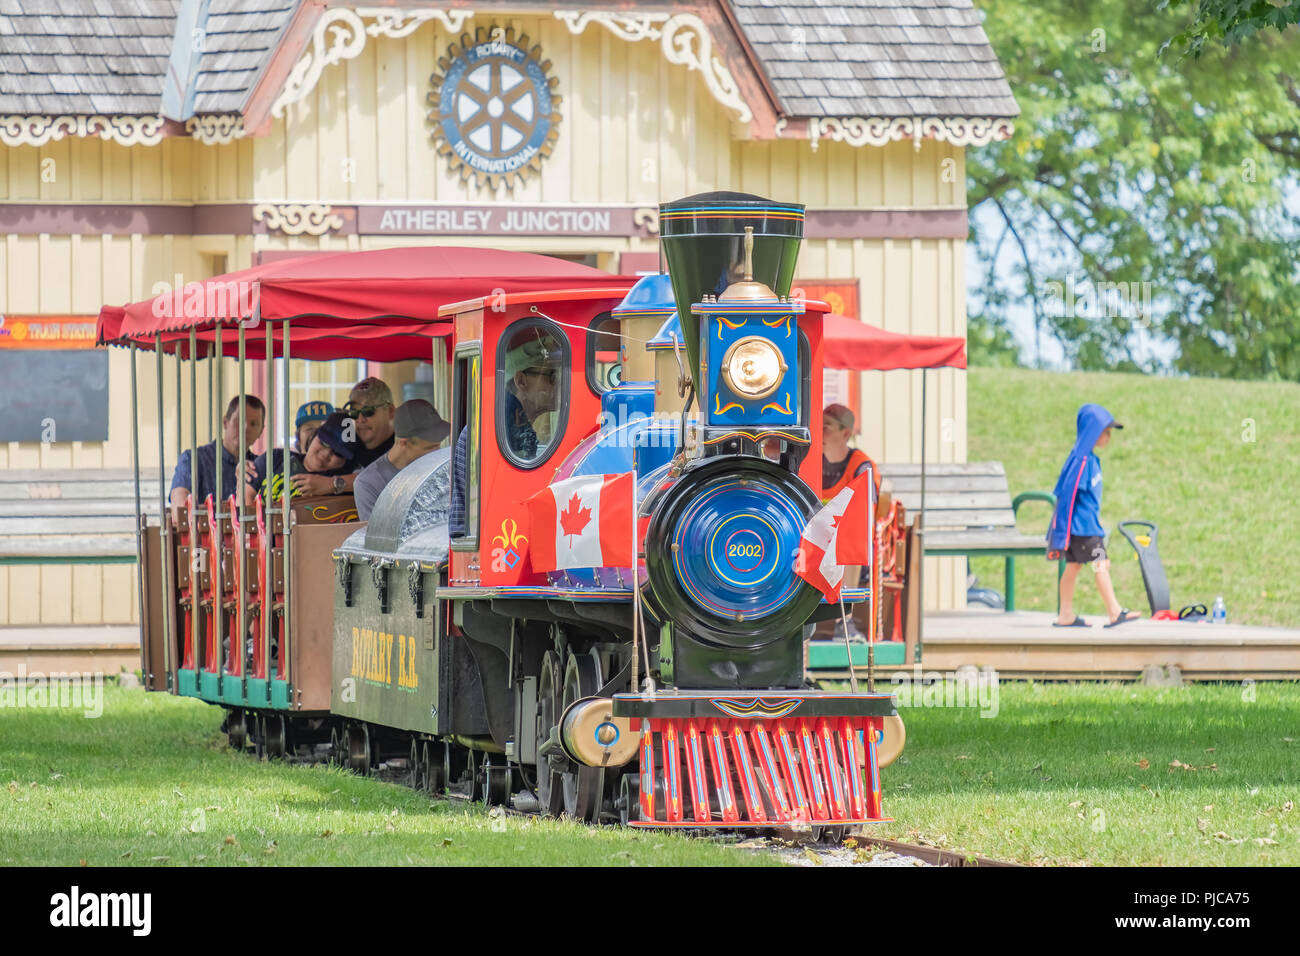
<point x="1212" y="462"/>
<point x="1063" y="774"/>
<point x="151" y="782"/>
<point x="1099" y="774"/>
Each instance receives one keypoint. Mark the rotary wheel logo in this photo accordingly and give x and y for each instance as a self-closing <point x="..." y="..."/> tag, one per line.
<point x="495" y="114"/>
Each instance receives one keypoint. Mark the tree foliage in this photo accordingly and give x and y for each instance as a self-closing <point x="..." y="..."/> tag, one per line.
<point x="1230" y="21"/>
<point x="1129" y="168"/>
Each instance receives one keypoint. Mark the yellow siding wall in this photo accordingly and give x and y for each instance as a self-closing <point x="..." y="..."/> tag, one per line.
<point x="634" y="129"/>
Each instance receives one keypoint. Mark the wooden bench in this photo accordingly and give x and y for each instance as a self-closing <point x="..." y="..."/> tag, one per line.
<point x="969" y="511"/>
<point x="71" y="516"/>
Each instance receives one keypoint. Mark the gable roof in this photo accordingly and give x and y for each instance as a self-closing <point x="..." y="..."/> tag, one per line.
<point x="876" y="57"/>
<point x="110" y="56"/>
<point x="871" y="58"/>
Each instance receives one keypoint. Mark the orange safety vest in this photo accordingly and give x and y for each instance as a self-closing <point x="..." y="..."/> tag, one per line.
<point x="856" y="460"/>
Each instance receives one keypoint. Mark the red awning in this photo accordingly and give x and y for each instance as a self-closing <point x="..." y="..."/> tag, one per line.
<point x="374" y="305"/>
<point x="851" y="344"/>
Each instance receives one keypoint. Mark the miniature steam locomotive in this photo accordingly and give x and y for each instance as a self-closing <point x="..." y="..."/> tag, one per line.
<point x="669" y="692"/>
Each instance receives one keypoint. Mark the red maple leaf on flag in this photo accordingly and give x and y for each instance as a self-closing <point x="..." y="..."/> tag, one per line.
<point x="574" y="518"/>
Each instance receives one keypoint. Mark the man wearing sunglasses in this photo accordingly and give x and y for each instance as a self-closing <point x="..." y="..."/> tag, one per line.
<point x="368" y="427"/>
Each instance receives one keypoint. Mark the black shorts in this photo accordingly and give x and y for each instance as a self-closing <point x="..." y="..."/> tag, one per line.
<point x="1085" y="548"/>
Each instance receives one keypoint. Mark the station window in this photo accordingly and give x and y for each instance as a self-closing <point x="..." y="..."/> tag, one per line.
<point x="604" y="360"/>
<point x="466" y="459"/>
<point x="532" y="391"/>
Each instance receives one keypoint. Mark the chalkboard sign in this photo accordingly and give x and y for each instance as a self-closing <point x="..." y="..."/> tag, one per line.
<point x="54" y="395"/>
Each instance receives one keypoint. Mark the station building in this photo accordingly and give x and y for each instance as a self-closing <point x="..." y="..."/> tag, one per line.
<point x="143" y="146"/>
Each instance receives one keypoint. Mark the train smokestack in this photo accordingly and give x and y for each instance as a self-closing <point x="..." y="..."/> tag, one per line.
<point x="704" y="246"/>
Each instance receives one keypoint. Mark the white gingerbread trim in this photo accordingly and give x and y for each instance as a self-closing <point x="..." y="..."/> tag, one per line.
<point x="684" y="39"/>
<point x="213" y="129"/>
<point x="340" y="34"/>
<point x="296" y="219"/>
<point x="880" y="130"/>
<point x="39" y="129"/>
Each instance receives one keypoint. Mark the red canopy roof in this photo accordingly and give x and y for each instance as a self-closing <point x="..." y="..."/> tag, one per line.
<point x="851" y="344"/>
<point x="380" y="304"/>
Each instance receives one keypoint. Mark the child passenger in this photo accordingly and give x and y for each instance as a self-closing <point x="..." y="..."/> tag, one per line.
<point x="1076" y="531"/>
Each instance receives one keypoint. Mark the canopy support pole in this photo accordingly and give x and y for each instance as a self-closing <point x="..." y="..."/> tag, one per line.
<point x="920" y="527"/>
<point x="139" y="514"/>
<point x="164" y="520"/>
<point x="193" y="517"/>
<point x="266" y="511"/>
<point x="218" y="509"/>
<point x="287" y="512"/>
<point x="241" y="532"/>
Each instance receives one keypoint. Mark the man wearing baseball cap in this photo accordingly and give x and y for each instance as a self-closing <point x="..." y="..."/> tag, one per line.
<point x="368" y="427"/>
<point x="418" y="430"/>
<point x="371" y="405"/>
<point x="310" y="415"/>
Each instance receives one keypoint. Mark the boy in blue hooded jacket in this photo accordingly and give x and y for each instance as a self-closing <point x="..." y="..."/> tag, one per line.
<point x="1076" y="532"/>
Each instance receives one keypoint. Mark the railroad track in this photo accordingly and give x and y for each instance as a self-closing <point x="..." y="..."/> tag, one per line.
<point x="811" y="844"/>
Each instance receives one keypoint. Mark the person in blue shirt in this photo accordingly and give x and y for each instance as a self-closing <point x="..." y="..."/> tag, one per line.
<point x="205" y="474"/>
<point x="1076" y="532"/>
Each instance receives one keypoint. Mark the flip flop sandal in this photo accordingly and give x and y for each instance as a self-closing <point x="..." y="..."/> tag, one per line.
<point x="1077" y="622"/>
<point x="1122" y="619"/>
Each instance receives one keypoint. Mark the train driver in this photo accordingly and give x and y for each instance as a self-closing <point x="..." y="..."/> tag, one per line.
<point x="532" y="376"/>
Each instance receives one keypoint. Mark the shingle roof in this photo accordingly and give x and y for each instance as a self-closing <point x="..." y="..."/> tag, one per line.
<point x="876" y="57"/>
<point x="865" y="58"/>
<point x="241" y="36"/>
<point x="95" y="56"/>
<point x="110" y="56"/>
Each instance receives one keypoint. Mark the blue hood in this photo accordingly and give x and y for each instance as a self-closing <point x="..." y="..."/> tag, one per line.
<point x="1091" y="421"/>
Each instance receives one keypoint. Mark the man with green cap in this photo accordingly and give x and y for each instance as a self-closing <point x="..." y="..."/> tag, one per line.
<point x="532" y="376"/>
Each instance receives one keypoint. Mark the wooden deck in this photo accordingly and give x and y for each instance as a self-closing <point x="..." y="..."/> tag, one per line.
<point x="45" y="650"/>
<point x="1024" y="644"/>
<point x="1019" y="645"/>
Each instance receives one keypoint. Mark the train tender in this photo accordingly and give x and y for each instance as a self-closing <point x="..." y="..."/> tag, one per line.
<point x="671" y="693"/>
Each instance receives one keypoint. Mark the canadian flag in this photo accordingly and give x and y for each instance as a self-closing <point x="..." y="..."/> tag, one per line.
<point x="583" y="522"/>
<point x="836" y="536"/>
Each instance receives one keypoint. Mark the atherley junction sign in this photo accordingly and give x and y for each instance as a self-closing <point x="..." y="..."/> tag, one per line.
<point x="507" y="220"/>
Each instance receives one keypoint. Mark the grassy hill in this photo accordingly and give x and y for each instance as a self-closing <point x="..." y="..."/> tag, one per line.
<point x="1216" y="464"/>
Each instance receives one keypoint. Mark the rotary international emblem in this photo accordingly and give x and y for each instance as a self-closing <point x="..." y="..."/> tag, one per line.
<point x="495" y="111"/>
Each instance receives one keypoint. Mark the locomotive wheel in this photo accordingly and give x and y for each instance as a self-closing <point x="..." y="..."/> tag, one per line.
<point x="496" y="783"/>
<point x="472" y="779"/>
<point x="277" y="736"/>
<point x="259" y="736"/>
<point x="584" y="786"/>
<point x="435" y="774"/>
<point x="237" y="729"/>
<point x="629" y="798"/>
<point x="830" y="836"/>
<point x="415" y="766"/>
<point x="356" y="744"/>
<point x="550" y="782"/>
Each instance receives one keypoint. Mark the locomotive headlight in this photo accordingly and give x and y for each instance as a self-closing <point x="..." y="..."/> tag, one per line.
<point x="752" y="367"/>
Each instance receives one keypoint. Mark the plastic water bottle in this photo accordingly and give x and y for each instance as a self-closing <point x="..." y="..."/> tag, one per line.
<point x="1219" y="614"/>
